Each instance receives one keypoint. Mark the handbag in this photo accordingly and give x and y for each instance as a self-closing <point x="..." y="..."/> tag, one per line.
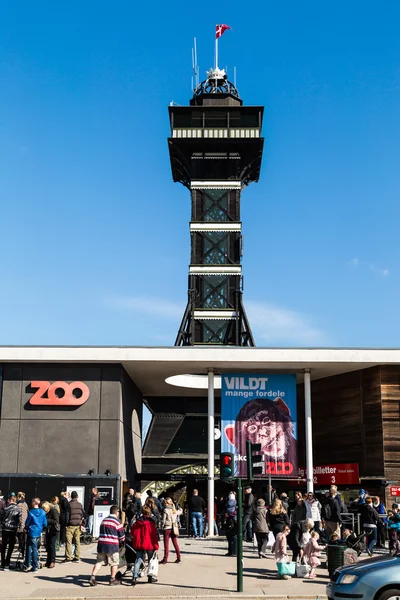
<point x="302" y="570"/>
<point x="122" y="558"/>
<point x="286" y="568"/>
<point x="152" y="569"/>
<point x="175" y="529"/>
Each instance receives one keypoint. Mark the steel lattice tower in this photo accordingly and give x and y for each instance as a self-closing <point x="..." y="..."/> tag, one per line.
<point x="215" y="149"/>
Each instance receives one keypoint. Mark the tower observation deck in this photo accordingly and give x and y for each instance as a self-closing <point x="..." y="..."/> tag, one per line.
<point x="215" y="150"/>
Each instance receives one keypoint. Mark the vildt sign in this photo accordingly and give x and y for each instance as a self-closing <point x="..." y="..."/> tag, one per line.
<point x="59" y="393"/>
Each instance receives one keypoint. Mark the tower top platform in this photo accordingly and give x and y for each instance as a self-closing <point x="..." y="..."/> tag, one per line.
<point x="216" y="90"/>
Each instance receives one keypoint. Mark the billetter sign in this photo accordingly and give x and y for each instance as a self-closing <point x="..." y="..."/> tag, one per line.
<point x="59" y="393"/>
<point x="260" y="409"/>
<point x="341" y="474"/>
<point x="395" y="490"/>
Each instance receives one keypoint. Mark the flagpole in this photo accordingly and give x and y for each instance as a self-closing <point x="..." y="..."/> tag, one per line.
<point x="216" y="51"/>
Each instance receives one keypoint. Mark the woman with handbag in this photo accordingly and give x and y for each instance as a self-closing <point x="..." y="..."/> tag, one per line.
<point x="53" y="528"/>
<point x="144" y="541"/>
<point x="170" y="530"/>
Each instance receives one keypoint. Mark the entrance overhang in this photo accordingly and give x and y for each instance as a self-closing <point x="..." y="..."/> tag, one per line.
<point x="149" y="367"/>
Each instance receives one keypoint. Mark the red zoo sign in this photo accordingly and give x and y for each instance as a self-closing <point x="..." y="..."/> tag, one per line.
<point x="59" y="393"/>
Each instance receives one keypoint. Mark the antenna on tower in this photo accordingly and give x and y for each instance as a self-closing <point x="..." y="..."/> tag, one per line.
<point x="234" y="76"/>
<point x="195" y="66"/>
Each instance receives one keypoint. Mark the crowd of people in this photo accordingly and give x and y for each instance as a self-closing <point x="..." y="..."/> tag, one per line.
<point x="130" y="535"/>
<point x="310" y="523"/>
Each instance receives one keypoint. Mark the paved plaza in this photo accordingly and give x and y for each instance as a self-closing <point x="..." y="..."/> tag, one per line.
<point x="204" y="571"/>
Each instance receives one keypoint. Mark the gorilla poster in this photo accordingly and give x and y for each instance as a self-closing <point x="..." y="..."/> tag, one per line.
<point x="261" y="409"/>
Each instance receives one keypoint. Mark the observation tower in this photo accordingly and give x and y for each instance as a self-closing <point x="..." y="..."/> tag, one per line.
<point x="215" y="150"/>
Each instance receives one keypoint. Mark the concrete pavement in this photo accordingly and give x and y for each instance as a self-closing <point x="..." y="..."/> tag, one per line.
<point x="205" y="571"/>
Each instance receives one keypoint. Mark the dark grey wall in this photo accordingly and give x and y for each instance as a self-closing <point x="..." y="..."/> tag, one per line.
<point x="97" y="435"/>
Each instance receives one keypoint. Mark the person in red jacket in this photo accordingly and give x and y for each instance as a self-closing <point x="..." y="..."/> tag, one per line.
<point x="144" y="540"/>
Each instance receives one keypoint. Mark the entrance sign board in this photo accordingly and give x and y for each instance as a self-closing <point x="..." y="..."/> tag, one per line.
<point x="341" y="474"/>
<point x="395" y="490"/>
<point x="100" y="513"/>
<point x="260" y="409"/>
<point x="106" y="495"/>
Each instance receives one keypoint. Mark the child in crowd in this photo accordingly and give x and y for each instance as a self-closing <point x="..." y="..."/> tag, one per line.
<point x="311" y="552"/>
<point x="394" y="530"/>
<point x="334" y="539"/>
<point x="281" y="553"/>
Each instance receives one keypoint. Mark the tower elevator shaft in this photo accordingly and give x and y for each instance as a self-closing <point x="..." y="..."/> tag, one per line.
<point x="215" y="150"/>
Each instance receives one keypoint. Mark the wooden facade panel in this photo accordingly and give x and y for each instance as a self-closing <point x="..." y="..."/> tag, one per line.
<point x="390" y="382"/>
<point x="347" y="421"/>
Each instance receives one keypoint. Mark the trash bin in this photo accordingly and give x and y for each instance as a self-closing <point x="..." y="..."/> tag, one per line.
<point x="335" y="555"/>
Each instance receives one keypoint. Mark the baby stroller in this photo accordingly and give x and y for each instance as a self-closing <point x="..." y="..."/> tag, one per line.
<point x="130" y="557"/>
<point x="86" y="536"/>
<point x="356" y="543"/>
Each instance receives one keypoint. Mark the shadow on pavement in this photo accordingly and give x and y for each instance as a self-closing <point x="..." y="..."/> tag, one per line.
<point x="103" y="580"/>
<point x="79" y="580"/>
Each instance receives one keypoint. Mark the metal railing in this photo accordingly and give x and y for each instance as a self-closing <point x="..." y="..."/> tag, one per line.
<point x="351" y="521"/>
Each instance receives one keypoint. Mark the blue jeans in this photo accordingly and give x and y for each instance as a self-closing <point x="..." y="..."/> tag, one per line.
<point x="216" y="532"/>
<point x="139" y="559"/>
<point x="90" y="523"/>
<point x="247" y="528"/>
<point x="197" y="519"/>
<point x="372" y="536"/>
<point x="31" y="559"/>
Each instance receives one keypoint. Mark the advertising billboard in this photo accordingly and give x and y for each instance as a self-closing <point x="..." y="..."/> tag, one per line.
<point x="260" y="409"/>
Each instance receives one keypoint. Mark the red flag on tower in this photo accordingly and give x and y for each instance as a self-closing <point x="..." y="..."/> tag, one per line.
<point x="220" y="30"/>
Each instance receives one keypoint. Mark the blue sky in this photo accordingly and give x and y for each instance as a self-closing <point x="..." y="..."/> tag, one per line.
<point x="94" y="236"/>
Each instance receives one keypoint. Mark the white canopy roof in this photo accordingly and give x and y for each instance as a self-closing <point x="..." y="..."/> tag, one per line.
<point x="149" y="367"/>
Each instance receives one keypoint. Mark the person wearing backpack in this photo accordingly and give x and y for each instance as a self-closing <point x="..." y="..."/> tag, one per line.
<point x="331" y="513"/>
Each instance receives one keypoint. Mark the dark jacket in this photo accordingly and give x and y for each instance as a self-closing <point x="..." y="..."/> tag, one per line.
<point x="278" y="521"/>
<point x="285" y="504"/>
<point x="10" y="517"/>
<point x="133" y="509"/>
<point x="299" y="512"/>
<point x="127" y="500"/>
<point x="248" y="502"/>
<point x="197" y="504"/>
<point x="53" y="520"/>
<point x="158" y="504"/>
<point x="296" y="532"/>
<point x="64" y="511"/>
<point x="369" y="516"/>
<point x="75" y="513"/>
<point x="259" y="518"/>
<point x="92" y="502"/>
<point x="331" y="510"/>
